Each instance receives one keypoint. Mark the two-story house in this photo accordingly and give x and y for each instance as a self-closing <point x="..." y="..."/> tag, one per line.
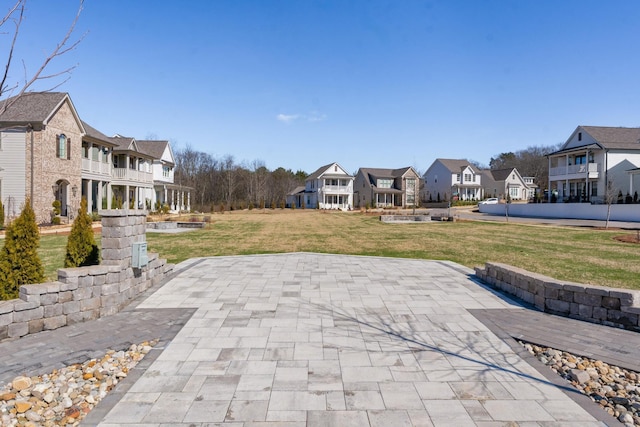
<point x="329" y="187"/>
<point x="505" y="184"/>
<point x="165" y="190"/>
<point x="376" y="187"/>
<point x="97" y="152"/>
<point x="452" y="179"/>
<point x="48" y="153"/>
<point x="593" y="159"/>
<point x="40" y="154"/>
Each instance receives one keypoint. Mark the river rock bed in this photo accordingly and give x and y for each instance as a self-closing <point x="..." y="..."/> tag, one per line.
<point x="615" y="389"/>
<point x="64" y="396"/>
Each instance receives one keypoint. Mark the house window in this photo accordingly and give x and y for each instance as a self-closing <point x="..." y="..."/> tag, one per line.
<point x="467" y="177"/>
<point x="513" y="192"/>
<point x="411" y="184"/>
<point x="95" y="153"/>
<point x="85" y="150"/>
<point x="594" y="189"/>
<point x="458" y="177"/>
<point x="343" y="182"/>
<point x="63" y="147"/>
<point x="385" y="183"/>
<point x="579" y="136"/>
<point x="165" y="171"/>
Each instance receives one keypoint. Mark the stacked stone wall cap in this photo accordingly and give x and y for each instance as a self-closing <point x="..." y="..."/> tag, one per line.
<point x="122" y="212"/>
<point x="20" y="305"/>
<point x="40" y="288"/>
<point x="574" y="287"/>
<point x="7" y="306"/>
<point x="598" y="290"/>
<point x="628" y="298"/>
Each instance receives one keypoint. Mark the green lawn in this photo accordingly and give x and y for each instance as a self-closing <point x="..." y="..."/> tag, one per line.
<point x="574" y="254"/>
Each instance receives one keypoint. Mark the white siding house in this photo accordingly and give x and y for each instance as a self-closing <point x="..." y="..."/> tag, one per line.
<point x="592" y="157"/>
<point x="452" y="179"/>
<point x="506" y="184"/>
<point x="329" y="187"/>
<point x="165" y="190"/>
<point x="12" y="171"/>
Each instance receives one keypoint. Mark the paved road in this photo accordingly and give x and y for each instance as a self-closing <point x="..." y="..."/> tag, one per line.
<point x="469" y="214"/>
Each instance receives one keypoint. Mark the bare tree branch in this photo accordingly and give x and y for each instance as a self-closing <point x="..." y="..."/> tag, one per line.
<point x="63" y="47"/>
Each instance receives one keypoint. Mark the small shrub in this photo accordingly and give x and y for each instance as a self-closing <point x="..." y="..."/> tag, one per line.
<point x="82" y="249"/>
<point x="261" y="203"/>
<point x="282" y="204"/>
<point x="293" y="206"/>
<point x="56" y="207"/>
<point x="251" y="206"/>
<point x="19" y="260"/>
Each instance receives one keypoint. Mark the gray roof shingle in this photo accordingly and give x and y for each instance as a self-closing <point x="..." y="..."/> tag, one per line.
<point x="31" y="107"/>
<point x="615" y="137"/>
<point x="153" y="148"/>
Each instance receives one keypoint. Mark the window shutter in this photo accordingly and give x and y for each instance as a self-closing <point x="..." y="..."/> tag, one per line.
<point x="68" y="148"/>
<point x="57" y="145"/>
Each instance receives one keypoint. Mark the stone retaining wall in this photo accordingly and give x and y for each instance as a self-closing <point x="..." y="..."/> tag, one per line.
<point x="87" y="293"/>
<point x="597" y="304"/>
<point x="404" y="218"/>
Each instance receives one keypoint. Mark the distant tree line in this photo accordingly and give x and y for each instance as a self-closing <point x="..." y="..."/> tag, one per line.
<point x="531" y="161"/>
<point x="224" y="184"/>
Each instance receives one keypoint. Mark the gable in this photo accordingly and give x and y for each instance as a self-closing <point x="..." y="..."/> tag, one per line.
<point x="333" y="169"/>
<point x="579" y="138"/>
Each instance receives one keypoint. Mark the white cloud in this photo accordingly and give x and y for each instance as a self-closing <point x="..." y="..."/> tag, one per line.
<point x="287" y="118"/>
<point x="314" y="116"/>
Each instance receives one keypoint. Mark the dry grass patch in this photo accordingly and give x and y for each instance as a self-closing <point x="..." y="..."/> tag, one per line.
<point x="574" y="254"/>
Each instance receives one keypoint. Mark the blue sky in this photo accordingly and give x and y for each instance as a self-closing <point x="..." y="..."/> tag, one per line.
<point x="369" y="83"/>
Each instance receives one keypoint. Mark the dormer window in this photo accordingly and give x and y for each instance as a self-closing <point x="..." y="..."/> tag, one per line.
<point x="579" y="136"/>
<point x="63" y="147"/>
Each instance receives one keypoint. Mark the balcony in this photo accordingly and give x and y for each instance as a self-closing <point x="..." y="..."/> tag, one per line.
<point x="336" y="189"/>
<point x="96" y="167"/>
<point x="126" y="174"/>
<point x="588" y="170"/>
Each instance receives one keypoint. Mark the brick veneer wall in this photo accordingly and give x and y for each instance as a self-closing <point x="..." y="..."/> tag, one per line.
<point x="87" y="293"/>
<point x="597" y="304"/>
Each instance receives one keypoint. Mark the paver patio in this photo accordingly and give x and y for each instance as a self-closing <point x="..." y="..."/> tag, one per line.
<point x="319" y="340"/>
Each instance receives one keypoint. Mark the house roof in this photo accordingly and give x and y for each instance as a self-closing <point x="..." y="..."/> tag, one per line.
<point x="615" y="137"/>
<point x="153" y="148"/>
<point x="35" y="108"/>
<point x="456" y="165"/>
<point x="94" y="133"/>
<point x="297" y="190"/>
<point x="371" y="174"/>
<point x="123" y="142"/>
<point x="500" y="174"/>
<point x="320" y="171"/>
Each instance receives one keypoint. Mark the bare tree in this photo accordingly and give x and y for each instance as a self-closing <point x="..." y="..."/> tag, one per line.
<point x="610" y="195"/>
<point x="12" y="88"/>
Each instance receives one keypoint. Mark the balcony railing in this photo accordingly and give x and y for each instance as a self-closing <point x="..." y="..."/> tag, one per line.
<point x="132" y="175"/>
<point x="336" y="189"/>
<point x="579" y="171"/>
<point x="102" y="168"/>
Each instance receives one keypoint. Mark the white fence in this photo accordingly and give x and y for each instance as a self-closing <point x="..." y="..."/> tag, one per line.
<point x="567" y="211"/>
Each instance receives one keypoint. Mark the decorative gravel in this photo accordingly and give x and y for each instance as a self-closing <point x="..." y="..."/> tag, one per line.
<point x="63" y="397"/>
<point x="617" y="390"/>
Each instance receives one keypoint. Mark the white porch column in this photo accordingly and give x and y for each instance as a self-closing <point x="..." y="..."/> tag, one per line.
<point x="89" y="193"/>
<point x="100" y="195"/>
<point x="189" y="200"/>
<point x="109" y="195"/>
<point x="126" y="197"/>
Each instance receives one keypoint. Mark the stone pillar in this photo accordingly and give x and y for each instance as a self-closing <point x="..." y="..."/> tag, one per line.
<point x="120" y="229"/>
